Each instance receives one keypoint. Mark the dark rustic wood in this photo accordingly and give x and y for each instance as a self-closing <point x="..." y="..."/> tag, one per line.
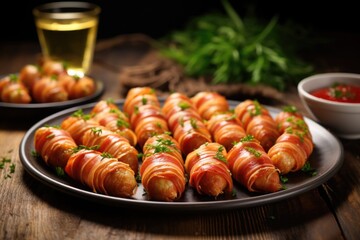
<point x="31" y="210"/>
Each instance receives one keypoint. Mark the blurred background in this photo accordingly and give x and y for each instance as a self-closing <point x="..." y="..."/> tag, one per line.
<point x="332" y="41"/>
<point x="157" y="18"/>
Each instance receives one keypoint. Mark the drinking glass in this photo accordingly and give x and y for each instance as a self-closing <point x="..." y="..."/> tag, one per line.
<point x="67" y="32"/>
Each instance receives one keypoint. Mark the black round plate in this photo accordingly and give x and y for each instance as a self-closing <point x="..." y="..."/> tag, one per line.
<point x="327" y="158"/>
<point x="36" y="111"/>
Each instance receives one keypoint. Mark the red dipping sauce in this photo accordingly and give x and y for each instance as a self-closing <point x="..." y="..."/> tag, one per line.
<point x="339" y="92"/>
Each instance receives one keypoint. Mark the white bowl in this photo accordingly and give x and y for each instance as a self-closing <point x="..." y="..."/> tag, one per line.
<point x="343" y="119"/>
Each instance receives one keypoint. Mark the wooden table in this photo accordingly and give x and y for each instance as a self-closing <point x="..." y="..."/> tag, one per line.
<point x="32" y="210"/>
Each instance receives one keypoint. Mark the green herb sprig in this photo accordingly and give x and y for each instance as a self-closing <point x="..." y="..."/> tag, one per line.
<point x="230" y="49"/>
<point x="10" y="169"/>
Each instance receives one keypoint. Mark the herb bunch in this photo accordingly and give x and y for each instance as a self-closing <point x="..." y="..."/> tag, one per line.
<point x="232" y="50"/>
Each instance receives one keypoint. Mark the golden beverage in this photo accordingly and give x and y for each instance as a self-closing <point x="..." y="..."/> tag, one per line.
<point x="67" y="36"/>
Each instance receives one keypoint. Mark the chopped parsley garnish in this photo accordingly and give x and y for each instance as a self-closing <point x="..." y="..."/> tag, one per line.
<point x="247" y="138"/>
<point x="256" y="110"/>
<point x="290" y="109"/>
<point x="253" y="151"/>
<point x="13" y="78"/>
<point x="80" y="114"/>
<point x="10" y="170"/>
<point x="122" y="123"/>
<point x="106" y="155"/>
<point x="59" y="171"/>
<point x="193" y="123"/>
<point x="308" y="169"/>
<point x="184" y="105"/>
<point x="219" y="154"/>
<point x="96" y="131"/>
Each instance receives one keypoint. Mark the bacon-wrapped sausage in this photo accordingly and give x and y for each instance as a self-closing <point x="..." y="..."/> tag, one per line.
<point x="294" y="146"/>
<point x="77" y="124"/>
<point x="28" y="75"/>
<point x="13" y="91"/>
<point x="185" y="122"/>
<point x="178" y="108"/>
<point x="102" y="174"/>
<point x="112" y="143"/>
<point x="48" y="89"/>
<point x="146" y="118"/>
<point x="89" y="133"/>
<point x="54" y="145"/>
<point x="252" y="167"/>
<point x="225" y="129"/>
<point x="148" y="121"/>
<point x="108" y="114"/>
<point x="291" y="150"/>
<point x="77" y="87"/>
<point x="139" y="96"/>
<point x="290" y="117"/>
<point x="208" y="170"/>
<point x="210" y="103"/>
<point x="162" y="170"/>
<point x="257" y="122"/>
<point x="50" y="67"/>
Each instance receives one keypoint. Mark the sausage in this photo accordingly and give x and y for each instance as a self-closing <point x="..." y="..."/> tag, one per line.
<point x="294" y="146"/>
<point x="54" y="145"/>
<point x="146" y="118"/>
<point x="12" y="90"/>
<point x="112" y="143"/>
<point x="290" y="117"/>
<point x="108" y="114"/>
<point x="48" y="89"/>
<point x="77" y="87"/>
<point x="208" y="170"/>
<point x="209" y="104"/>
<point x="102" y="174"/>
<point x="257" y="122"/>
<point x="162" y="170"/>
<point x="252" y="167"/>
<point x="28" y="75"/>
<point x="225" y="129"/>
<point x="185" y="122"/>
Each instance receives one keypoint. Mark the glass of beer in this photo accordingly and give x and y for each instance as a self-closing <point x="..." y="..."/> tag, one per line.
<point x="67" y="33"/>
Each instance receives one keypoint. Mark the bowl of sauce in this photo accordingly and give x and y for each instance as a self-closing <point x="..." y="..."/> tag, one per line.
<point x="339" y="92"/>
<point x="333" y="99"/>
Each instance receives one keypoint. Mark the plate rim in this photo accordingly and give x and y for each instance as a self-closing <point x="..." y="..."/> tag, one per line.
<point x="149" y="205"/>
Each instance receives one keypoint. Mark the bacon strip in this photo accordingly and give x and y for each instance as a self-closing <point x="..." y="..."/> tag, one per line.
<point x="139" y="96"/>
<point x="225" y="129"/>
<point x="185" y="122"/>
<point x="91" y="134"/>
<point x="77" y="124"/>
<point x="28" y="75"/>
<point x="101" y="174"/>
<point x="109" y="115"/>
<point x="12" y="90"/>
<point x="290" y="117"/>
<point x="54" y="145"/>
<point x="208" y="170"/>
<point x="209" y="104"/>
<point x="252" y="167"/>
<point x="257" y="122"/>
<point x="77" y="87"/>
<point x="294" y="146"/>
<point x="162" y="171"/>
<point x="146" y="118"/>
<point x="48" y="89"/>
